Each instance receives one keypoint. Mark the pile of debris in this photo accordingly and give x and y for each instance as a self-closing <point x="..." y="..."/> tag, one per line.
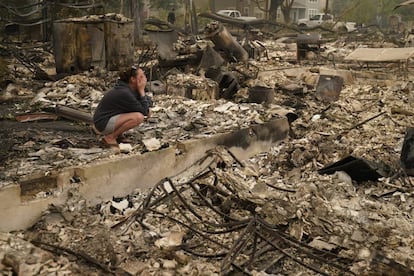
<point x="332" y="199"/>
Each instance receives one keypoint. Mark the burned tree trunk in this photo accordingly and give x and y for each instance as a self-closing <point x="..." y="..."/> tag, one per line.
<point x="136" y="15"/>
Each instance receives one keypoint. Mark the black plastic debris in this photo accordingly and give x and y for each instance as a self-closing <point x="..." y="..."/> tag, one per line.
<point x="358" y="169"/>
<point x="407" y="152"/>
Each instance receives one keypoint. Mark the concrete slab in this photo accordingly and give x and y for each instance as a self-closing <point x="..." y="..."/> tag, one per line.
<point x="381" y="54"/>
<point x="104" y="180"/>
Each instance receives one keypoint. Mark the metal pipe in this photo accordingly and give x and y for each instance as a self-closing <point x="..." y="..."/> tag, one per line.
<point x="225" y="41"/>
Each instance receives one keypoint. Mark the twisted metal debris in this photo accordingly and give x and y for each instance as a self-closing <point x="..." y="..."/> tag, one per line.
<point x="222" y="221"/>
<point x="224" y="224"/>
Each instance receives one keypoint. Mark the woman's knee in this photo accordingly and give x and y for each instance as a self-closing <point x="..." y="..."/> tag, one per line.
<point x="138" y="118"/>
<point x="134" y="118"/>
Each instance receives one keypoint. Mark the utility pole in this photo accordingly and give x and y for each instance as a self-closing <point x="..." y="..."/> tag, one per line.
<point x="326" y="6"/>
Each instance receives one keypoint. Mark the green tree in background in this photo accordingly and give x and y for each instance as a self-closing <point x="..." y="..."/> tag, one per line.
<point x="370" y="11"/>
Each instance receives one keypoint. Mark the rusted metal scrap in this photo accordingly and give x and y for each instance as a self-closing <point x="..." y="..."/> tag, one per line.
<point x="224" y="41"/>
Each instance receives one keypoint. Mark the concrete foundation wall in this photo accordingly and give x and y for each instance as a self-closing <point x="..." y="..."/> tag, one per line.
<point x="104" y="180"/>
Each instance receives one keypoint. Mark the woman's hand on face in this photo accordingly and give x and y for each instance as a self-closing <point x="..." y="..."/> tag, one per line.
<point x="142" y="82"/>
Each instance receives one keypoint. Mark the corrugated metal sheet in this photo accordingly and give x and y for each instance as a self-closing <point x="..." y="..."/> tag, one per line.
<point x="119" y="41"/>
<point x="81" y="45"/>
<point x="78" y="46"/>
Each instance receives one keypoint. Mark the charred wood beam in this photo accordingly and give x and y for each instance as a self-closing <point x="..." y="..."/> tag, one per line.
<point x="292" y="256"/>
<point x="89" y="259"/>
<point x="334" y="260"/>
<point x="74" y="114"/>
<point x="196" y="231"/>
<point x="187" y="205"/>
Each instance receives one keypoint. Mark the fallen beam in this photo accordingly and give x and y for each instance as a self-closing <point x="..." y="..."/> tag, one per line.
<point x="73" y="114"/>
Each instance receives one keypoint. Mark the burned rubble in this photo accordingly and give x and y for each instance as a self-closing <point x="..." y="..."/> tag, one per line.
<point x="335" y="198"/>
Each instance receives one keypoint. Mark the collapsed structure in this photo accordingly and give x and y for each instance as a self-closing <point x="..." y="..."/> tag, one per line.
<point x="328" y="192"/>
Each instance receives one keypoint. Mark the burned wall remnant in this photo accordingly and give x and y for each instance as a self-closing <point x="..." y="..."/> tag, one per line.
<point x="88" y="42"/>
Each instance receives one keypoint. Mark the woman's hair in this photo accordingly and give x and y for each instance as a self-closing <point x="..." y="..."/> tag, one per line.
<point x="126" y="73"/>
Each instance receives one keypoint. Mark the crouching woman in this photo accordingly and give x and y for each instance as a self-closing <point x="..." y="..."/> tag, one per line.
<point x="123" y="107"/>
